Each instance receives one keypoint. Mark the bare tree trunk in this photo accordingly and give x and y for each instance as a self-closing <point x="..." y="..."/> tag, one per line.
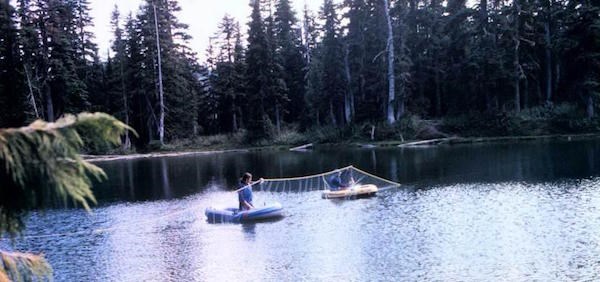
<point x="318" y="118"/>
<point x="47" y="96"/>
<point x="352" y="109"/>
<point x="241" y="118"/>
<point x="548" y="61"/>
<point x="332" y="114"/>
<point x="306" y="36"/>
<point x="438" y="93"/>
<point x="277" y="119"/>
<point x="483" y="24"/>
<point x="31" y="95"/>
<point x="49" y="104"/>
<point x="516" y="64"/>
<point x="590" y="107"/>
<point x="526" y="93"/>
<point x="348" y="93"/>
<point x="538" y="91"/>
<point x="161" y="122"/>
<point x="127" y="142"/>
<point x="517" y="93"/>
<point x="372" y="132"/>
<point x="556" y="76"/>
<point x="234" y="120"/>
<point x="391" y="117"/>
<point x="400" y="110"/>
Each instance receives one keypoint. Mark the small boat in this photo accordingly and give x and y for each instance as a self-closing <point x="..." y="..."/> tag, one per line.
<point x="357" y="191"/>
<point x="234" y="215"/>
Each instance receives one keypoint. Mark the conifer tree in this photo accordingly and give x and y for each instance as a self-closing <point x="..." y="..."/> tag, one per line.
<point x="178" y="68"/>
<point x="355" y="54"/>
<point x="332" y="61"/>
<point x="118" y="79"/>
<point x="12" y="98"/>
<point x="228" y="74"/>
<point x="312" y="80"/>
<point x="258" y="76"/>
<point x="239" y="75"/>
<point x="277" y="89"/>
<point x="582" y="47"/>
<point x="29" y="49"/>
<point x="141" y="82"/>
<point x="289" y="51"/>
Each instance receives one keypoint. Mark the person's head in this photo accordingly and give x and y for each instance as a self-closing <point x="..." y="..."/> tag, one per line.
<point x="246" y="178"/>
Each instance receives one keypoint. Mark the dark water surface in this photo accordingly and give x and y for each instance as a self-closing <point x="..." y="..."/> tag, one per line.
<point x="527" y="211"/>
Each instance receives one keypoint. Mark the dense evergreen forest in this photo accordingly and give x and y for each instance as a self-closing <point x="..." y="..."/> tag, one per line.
<point x="354" y="62"/>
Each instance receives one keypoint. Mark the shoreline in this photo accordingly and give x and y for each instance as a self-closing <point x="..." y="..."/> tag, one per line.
<point x="456" y="140"/>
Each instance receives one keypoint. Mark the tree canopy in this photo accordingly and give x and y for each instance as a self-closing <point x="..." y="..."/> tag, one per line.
<point x="353" y="62"/>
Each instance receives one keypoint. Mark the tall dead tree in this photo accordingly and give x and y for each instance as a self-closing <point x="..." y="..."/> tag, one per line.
<point x="161" y="120"/>
<point x="391" y="117"/>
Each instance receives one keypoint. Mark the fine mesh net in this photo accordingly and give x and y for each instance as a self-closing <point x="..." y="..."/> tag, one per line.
<point x="339" y="178"/>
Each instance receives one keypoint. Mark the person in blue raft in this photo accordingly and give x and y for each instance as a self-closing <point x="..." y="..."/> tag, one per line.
<point x="341" y="181"/>
<point x="245" y="191"/>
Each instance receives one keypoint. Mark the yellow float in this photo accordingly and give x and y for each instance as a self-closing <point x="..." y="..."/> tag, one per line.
<point x="356" y="191"/>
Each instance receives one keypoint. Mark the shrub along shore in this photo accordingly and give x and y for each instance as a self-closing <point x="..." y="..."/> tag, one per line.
<point x="410" y="131"/>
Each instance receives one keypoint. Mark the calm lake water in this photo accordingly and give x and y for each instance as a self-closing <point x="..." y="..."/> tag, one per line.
<point x="527" y="211"/>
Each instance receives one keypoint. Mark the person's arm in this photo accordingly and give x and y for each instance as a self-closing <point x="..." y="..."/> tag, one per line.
<point x="247" y="205"/>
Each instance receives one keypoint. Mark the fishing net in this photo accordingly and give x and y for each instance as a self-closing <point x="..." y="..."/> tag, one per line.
<point x="339" y="178"/>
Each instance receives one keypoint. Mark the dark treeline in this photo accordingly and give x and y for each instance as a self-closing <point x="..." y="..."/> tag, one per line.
<point x="356" y="61"/>
<point x="50" y="66"/>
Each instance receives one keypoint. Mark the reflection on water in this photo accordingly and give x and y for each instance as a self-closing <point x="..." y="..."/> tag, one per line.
<point x="479" y="218"/>
<point x="168" y="178"/>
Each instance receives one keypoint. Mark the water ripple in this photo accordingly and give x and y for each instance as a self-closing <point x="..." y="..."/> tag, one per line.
<point x="466" y="232"/>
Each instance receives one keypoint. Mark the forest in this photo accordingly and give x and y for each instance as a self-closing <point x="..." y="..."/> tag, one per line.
<point x="488" y="67"/>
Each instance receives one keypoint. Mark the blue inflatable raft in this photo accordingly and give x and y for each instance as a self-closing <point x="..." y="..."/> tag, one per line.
<point x="234" y="215"/>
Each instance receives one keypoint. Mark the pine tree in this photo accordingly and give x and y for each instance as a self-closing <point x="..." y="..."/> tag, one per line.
<point x="210" y="100"/>
<point x="354" y="53"/>
<point x="458" y="32"/>
<point x="29" y="49"/>
<point x="177" y="70"/>
<point x="332" y="61"/>
<point x="223" y="84"/>
<point x="98" y="81"/>
<point x="310" y="34"/>
<point x="289" y="51"/>
<point x="314" y="98"/>
<point x="239" y="76"/>
<point x="257" y="58"/>
<point x="228" y="75"/>
<point x="312" y="80"/>
<point x="12" y="98"/>
<point x="118" y="78"/>
<point x="86" y="58"/>
<point x="53" y="57"/>
<point x="582" y="48"/>
<point x="140" y="79"/>
<point x="277" y="89"/>
<point x="391" y="77"/>
<point x="403" y="62"/>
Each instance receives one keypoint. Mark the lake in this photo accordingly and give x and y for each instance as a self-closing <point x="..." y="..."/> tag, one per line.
<point x="523" y="211"/>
